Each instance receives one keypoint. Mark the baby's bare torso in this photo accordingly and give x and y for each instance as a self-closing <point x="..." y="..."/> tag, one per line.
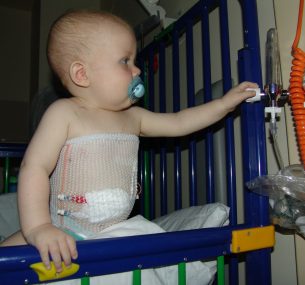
<point x="94" y="183"/>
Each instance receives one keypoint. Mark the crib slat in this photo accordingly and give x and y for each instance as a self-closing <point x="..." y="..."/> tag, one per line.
<point x="146" y="185"/>
<point x="229" y="133"/>
<point x="6" y="174"/>
<point x="182" y="273"/>
<point x="143" y="68"/>
<point x="191" y="103"/>
<point x="206" y="64"/>
<point x="163" y="161"/>
<point x="136" y="277"/>
<point x="85" y="281"/>
<point x="176" y="108"/>
<point x="220" y="270"/>
<point x="144" y="154"/>
<point x="229" y="129"/>
<point x="151" y="106"/>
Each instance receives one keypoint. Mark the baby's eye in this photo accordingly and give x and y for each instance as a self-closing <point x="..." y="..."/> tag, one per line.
<point x="125" y="60"/>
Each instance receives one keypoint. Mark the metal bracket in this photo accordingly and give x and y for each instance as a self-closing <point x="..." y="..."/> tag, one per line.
<point x="154" y="9"/>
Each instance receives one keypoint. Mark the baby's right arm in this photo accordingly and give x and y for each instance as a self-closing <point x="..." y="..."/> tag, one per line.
<point x="192" y="119"/>
<point x="33" y="187"/>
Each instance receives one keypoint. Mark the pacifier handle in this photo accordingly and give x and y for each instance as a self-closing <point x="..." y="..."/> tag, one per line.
<point x="136" y="89"/>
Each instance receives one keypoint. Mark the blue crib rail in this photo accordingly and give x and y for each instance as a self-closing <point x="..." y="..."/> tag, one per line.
<point x="107" y="256"/>
<point x="98" y="257"/>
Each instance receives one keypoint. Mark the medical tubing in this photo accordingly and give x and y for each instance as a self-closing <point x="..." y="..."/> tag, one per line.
<point x="277" y="150"/>
<point x="296" y="89"/>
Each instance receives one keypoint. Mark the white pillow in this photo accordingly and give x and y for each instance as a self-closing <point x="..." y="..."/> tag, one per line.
<point x="196" y="217"/>
<point x="9" y="218"/>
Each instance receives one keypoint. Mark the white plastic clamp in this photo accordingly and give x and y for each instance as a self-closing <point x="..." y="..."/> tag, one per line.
<point x="257" y="96"/>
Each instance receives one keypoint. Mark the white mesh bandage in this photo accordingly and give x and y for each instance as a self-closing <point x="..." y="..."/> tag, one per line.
<point x="94" y="183"/>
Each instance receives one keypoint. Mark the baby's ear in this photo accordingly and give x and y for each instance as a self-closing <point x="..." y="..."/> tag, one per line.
<point x="78" y="74"/>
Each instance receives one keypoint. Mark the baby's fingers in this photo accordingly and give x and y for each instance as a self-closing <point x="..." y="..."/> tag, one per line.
<point x="68" y="250"/>
<point x="246" y="84"/>
<point x="44" y="254"/>
<point x="250" y="92"/>
<point x="56" y="256"/>
<point x="72" y="247"/>
<point x="65" y="254"/>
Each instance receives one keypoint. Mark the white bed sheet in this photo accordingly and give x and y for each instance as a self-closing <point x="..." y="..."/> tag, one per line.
<point x="197" y="272"/>
<point x="9" y="220"/>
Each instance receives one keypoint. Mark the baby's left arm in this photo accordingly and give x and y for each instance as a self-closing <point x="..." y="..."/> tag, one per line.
<point x="193" y="119"/>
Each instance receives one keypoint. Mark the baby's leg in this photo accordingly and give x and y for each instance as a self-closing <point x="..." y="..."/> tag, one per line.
<point x="15" y="239"/>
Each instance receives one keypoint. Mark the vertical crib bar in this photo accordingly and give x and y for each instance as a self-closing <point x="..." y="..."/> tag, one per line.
<point x="163" y="161"/>
<point x="176" y="108"/>
<point x="136" y="277"/>
<point x="85" y="281"/>
<point x="251" y="67"/>
<point x="206" y="64"/>
<point x="182" y="273"/>
<point x="144" y="154"/>
<point x="258" y="263"/>
<point x="220" y="270"/>
<point x="146" y="185"/>
<point x="6" y="174"/>
<point x="151" y="106"/>
<point x="142" y="181"/>
<point x="142" y="175"/>
<point x="229" y="132"/>
<point x="191" y="102"/>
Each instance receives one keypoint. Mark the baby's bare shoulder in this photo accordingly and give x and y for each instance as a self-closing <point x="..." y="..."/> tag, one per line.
<point x="62" y="107"/>
<point x="136" y="111"/>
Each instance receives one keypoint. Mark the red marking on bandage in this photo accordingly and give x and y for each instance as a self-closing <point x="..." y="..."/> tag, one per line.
<point x="79" y="199"/>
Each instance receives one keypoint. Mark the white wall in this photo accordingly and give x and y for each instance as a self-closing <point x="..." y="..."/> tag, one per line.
<point x="286" y="16"/>
<point x="283" y="255"/>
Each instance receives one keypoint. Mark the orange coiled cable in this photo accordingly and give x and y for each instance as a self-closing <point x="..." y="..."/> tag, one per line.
<point x="296" y="88"/>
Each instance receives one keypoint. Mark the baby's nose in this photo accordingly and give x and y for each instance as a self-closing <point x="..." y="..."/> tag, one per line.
<point x="136" y="71"/>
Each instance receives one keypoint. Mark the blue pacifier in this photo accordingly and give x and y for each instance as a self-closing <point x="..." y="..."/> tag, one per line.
<point x="136" y="89"/>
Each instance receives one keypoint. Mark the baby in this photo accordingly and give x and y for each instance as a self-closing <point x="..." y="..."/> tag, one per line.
<point x="79" y="173"/>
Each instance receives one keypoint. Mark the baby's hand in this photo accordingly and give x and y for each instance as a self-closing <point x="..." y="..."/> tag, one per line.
<point x="237" y="95"/>
<point x="50" y="241"/>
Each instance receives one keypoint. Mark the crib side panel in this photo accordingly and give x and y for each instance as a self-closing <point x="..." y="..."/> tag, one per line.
<point x="252" y="121"/>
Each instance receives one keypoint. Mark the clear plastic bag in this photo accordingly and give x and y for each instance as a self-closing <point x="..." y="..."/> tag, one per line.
<point x="286" y="192"/>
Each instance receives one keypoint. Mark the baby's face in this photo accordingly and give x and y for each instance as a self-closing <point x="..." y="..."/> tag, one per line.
<point x="112" y="67"/>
